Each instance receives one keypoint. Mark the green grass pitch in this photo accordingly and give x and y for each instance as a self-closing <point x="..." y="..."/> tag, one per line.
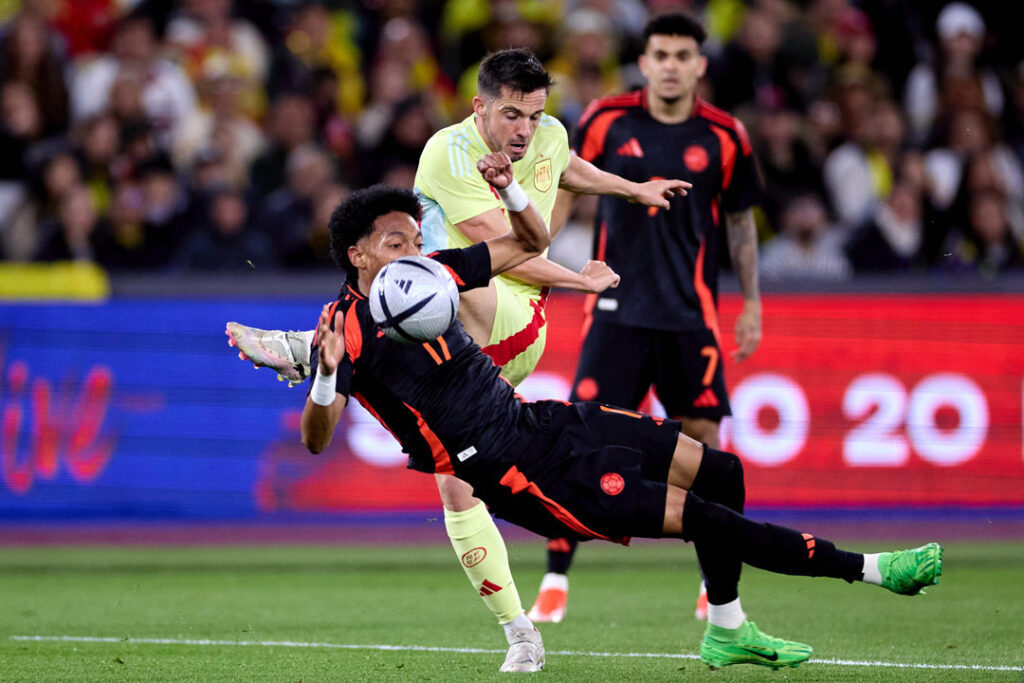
<point x="299" y="613"/>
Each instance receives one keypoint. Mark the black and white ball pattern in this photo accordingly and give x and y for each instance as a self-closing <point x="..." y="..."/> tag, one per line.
<point x="414" y="299"/>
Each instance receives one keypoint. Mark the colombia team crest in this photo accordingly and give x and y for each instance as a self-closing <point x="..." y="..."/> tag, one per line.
<point x="696" y="158"/>
<point x="542" y="175"/>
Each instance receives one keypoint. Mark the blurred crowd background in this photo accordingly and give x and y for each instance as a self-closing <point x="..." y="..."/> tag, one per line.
<point x="217" y="134"/>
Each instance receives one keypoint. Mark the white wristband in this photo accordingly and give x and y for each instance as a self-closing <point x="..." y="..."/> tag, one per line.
<point x="514" y="196"/>
<point x="324" y="388"/>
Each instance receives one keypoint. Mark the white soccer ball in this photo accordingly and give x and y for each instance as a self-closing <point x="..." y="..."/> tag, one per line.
<point x="414" y="299"/>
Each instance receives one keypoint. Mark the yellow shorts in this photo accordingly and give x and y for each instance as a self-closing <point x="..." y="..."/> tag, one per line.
<point x="519" y="332"/>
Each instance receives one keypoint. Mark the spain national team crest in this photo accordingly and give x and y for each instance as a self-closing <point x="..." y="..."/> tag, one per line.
<point x="542" y="175"/>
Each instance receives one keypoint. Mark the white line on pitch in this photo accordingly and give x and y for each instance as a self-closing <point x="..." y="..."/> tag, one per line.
<point x="474" y="650"/>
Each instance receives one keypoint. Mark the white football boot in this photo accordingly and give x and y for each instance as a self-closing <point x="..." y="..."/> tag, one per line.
<point x="286" y="353"/>
<point x="525" y="651"/>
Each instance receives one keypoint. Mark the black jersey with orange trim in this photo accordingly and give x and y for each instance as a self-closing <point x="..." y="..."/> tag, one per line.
<point x="443" y="400"/>
<point x="668" y="260"/>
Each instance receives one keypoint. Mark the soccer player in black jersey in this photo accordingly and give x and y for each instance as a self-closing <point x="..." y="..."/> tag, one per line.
<point x="660" y="326"/>
<point x="578" y="470"/>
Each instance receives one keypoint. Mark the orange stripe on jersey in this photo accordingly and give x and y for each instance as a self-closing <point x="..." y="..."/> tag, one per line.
<point x="728" y="155"/>
<point x="724" y="119"/>
<point x="593" y="143"/>
<point x="444" y="348"/>
<point x="621" y="411"/>
<point x="455" y="276"/>
<point x="372" y="411"/>
<point x="353" y="334"/>
<point x="707" y="301"/>
<point x="517" y="482"/>
<point x="442" y="461"/>
<point x="433" y="353"/>
<point x="632" y="99"/>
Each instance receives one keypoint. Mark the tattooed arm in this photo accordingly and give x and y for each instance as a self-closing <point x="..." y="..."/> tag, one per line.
<point x="743" y="251"/>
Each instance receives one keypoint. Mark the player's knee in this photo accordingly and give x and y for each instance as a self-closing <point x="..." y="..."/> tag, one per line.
<point x="723" y="474"/>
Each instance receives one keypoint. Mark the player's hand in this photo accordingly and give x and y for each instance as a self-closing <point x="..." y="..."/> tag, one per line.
<point x="496" y="168"/>
<point x="748" y="330"/>
<point x="330" y="343"/>
<point x="597" y="277"/>
<point x="658" y="192"/>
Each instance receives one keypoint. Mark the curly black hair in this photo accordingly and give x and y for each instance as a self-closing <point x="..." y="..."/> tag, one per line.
<point x="675" y="24"/>
<point x="353" y="219"/>
<point x="517" y="69"/>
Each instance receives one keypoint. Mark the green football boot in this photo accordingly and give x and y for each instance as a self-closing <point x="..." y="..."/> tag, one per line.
<point x="906" y="572"/>
<point x="747" y="645"/>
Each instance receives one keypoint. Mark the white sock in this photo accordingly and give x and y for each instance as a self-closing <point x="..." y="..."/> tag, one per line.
<point x="556" y="581"/>
<point x="522" y="621"/>
<point x="729" y="615"/>
<point x="871" y="572"/>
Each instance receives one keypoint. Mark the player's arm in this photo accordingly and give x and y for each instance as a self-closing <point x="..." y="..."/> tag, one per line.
<point x="563" y="209"/>
<point x="582" y="177"/>
<point x="507" y="249"/>
<point x="743" y="250"/>
<point x="324" y="405"/>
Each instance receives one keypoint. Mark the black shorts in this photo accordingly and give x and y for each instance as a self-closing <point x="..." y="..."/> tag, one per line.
<point x="584" y="471"/>
<point x="618" y="364"/>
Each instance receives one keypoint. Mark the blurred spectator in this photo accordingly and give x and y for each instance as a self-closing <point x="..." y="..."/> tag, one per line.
<point x="986" y="247"/>
<point x="221" y="123"/>
<point x="891" y="240"/>
<point x="165" y="92"/>
<point x="21" y="125"/>
<point x="289" y="125"/>
<point x="98" y="141"/>
<point x="970" y="160"/>
<point x="411" y="126"/>
<point x="166" y="202"/>
<point x="27" y="56"/>
<point x="86" y="25"/>
<point x="287" y="215"/>
<point x="748" y="63"/>
<point x="588" y="52"/>
<point x="70" y="235"/>
<point x="127" y="241"/>
<point x="319" y="38"/>
<point x="225" y="239"/>
<point x="205" y="30"/>
<point x="961" y="33"/>
<point x="323" y="206"/>
<point x="859" y="174"/>
<point x="788" y="166"/>
<point x="808" y="249"/>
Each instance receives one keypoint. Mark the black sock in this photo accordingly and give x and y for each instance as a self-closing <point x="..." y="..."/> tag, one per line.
<point x="720" y="480"/>
<point x="560" y="552"/>
<point x="717" y="529"/>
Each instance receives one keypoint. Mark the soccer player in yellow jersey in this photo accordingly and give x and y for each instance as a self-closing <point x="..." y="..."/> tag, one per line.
<point x="505" y="319"/>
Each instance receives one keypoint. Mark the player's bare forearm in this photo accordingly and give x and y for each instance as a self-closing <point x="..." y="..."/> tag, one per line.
<point x="743" y="250"/>
<point x="319" y="422"/>
<point x="595" y="277"/>
<point x="582" y="177"/>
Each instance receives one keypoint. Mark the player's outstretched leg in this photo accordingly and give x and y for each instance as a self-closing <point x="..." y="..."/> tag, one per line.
<point x="748" y="645"/>
<point x="287" y="353"/>
<point x="554" y="587"/>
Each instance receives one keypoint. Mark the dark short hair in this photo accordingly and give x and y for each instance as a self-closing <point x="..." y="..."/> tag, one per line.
<point x="517" y="69"/>
<point x="675" y="24"/>
<point x="353" y="219"/>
